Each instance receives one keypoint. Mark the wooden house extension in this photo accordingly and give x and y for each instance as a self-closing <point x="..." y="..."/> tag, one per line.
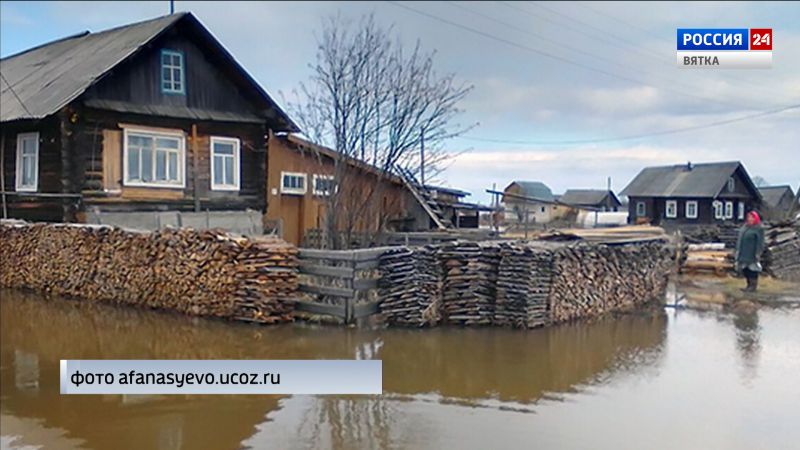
<point x="592" y="199"/>
<point x="152" y="116"/>
<point x="689" y="194"/>
<point x="301" y="175"/>
<point x="779" y="202"/>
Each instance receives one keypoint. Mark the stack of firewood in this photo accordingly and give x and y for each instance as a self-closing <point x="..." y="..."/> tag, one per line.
<point x="523" y="285"/>
<point x="410" y="286"/>
<point x="782" y="253"/>
<point x="470" y="282"/>
<point x="594" y="279"/>
<point x="209" y="273"/>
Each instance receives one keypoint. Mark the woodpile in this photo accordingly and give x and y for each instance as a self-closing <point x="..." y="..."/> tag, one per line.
<point x="207" y="273"/>
<point x="470" y="281"/>
<point x="592" y="279"/>
<point x="782" y="253"/>
<point x="520" y="284"/>
<point x="523" y="285"/>
<point x="708" y="258"/>
<point x="410" y="286"/>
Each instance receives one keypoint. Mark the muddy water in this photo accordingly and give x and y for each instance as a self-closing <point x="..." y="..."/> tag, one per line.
<point x="679" y="379"/>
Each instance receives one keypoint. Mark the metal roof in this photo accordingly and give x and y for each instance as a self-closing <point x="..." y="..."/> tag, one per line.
<point x="40" y="81"/>
<point x="772" y="194"/>
<point x="683" y="180"/>
<point x="534" y="189"/>
<point x="586" y="196"/>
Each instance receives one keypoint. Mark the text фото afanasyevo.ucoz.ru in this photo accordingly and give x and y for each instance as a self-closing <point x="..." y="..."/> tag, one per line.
<point x="221" y="377"/>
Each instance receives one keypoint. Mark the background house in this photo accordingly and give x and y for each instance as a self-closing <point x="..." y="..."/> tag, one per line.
<point x="530" y="202"/>
<point x="593" y="199"/>
<point x="125" y="124"/>
<point x="779" y="202"/>
<point x="691" y="194"/>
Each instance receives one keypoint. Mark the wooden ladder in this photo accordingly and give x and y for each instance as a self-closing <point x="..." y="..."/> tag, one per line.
<point x="423" y="197"/>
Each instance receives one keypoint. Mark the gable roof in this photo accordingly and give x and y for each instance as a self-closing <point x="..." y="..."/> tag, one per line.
<point x="587" y="197"/>
<point x="772" y="195"/>
<point x="685" y="180"/>
<point x="534" y="189"/>
<point x="40" y="81"/>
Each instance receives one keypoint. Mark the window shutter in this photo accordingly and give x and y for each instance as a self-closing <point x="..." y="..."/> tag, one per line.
<point x="112" y="160"/>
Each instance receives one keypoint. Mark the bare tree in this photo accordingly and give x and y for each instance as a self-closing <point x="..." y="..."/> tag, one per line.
<point x="374" y="102"/>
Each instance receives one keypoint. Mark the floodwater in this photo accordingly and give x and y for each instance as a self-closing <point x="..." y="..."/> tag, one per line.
<point x="654" y="380"/>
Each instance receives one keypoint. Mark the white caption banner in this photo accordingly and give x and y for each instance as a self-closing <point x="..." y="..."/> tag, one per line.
<point x="92" y="376"/>
<point x="731" y="59"/>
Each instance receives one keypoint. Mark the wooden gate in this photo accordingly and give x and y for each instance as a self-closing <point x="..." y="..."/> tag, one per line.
<point x="344" y="282"/>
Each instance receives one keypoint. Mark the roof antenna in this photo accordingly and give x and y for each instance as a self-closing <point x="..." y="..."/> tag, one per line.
<point x="171" y="7"/>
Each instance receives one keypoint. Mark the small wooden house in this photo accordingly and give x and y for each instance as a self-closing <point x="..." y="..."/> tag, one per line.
<point x="530" y="202"/>
<point x="692" y="194"/>
<point x="153" y="116"/>
<point x="592" y="199"/>
<point x="300" y="177"/>
<point x="779" y="202"/>
<point x="302" y="173"/>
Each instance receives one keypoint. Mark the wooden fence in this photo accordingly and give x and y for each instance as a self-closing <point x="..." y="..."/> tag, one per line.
<point x="342" y="281"/>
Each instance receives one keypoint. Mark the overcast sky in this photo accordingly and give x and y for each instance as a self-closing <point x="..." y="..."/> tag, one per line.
<point x="619" y="78"/>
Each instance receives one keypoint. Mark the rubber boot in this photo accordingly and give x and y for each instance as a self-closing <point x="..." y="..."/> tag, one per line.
<point x="749" y="285"/>
<point x="755" y="284"/>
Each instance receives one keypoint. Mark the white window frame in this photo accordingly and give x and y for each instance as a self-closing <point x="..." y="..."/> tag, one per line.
<point x="641" y="209"/>
<point x="731" y="184"/>
<point x="741" y="210"/>
<point x="314" y="185"/>
<point x="18" y="182"/>
<point x="237" y="167"/>
<point x="674" y="206"/>
<point x="694" y="204"/>
<point x="180" y="136"/>
<point x="718" y="209"/>
<point x="729" y="210"/>
<point x="294" y="191"/>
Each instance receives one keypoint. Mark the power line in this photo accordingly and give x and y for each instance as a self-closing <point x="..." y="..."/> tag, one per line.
<point x="592" y="55"/>
<point x="637" y="136"/>
<point x="541" y="52"/>
<point x="15" y="94"/>
<point x="651" y="55"/>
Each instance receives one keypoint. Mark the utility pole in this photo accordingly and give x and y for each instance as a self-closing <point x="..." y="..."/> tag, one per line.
<point x="422" y="157"/>
<point x="172" y="7"/>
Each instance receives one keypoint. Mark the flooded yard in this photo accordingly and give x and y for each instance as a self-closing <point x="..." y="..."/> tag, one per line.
<point x="660" y="379"/>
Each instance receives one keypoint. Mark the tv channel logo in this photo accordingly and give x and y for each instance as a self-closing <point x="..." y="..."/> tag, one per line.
<point x="724" y="48"/>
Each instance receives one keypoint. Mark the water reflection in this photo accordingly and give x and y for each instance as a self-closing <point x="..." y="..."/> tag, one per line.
<point x="495" y="368"/>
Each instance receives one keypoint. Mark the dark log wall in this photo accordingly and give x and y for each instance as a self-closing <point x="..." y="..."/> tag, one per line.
<point x="138" y="81"/>
<point x="50" y="164"/>
<point x="88" y="153"/>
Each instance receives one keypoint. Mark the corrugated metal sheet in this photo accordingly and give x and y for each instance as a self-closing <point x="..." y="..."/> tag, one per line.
<point x="48" y="77"/>
<point x="701" y="180"/>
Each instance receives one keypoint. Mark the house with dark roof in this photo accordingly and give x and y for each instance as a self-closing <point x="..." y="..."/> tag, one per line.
<point x="779" y="202"/>
<point x="593" y="199"/>
<point x="152" y="116"/>
<point x="689" y="193"/>
<point x="530" y="202"/>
